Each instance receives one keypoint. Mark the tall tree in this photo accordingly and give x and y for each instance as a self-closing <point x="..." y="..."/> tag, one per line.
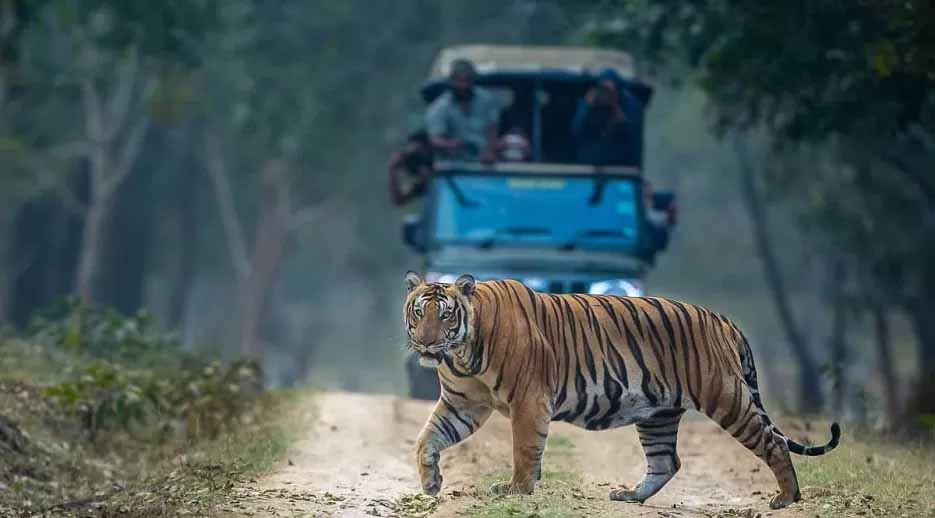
<point x="810" y="395"/>
<point x="854" y="80"/>
<point x="110" y="57"/>
<point x="268" y="135"/>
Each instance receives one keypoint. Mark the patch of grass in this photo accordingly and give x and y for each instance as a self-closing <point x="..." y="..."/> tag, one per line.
<point x="559" y="444"/>
<point x="49" y="466"/>
<point x="548" y="475"/>
<point x="256" y="450"/>
<point x="557" y="495"/>
<point x="21" y="360"/>
<point x="869" y="475"/>
<point x="193" y="482"/>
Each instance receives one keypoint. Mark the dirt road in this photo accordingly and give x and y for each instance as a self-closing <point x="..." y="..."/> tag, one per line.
<point x="357" y="460"/>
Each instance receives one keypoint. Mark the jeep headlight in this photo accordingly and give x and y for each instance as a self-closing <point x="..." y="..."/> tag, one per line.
<point x="535" y="283"/>
<point x="626" y="287"/>
<point x="444" y="278"/>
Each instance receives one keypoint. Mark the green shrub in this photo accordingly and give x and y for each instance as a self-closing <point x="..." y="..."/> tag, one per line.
<point x="200" y="402"/>
<point x="103" y="395"/>
<point x="79" y="328"/>
<point x="127" y="374"/>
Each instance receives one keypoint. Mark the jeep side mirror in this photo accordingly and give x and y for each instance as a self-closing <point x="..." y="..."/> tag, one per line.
<point x="413" y="233"/>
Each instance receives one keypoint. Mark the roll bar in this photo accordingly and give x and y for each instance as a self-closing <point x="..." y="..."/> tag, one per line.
<point x="448" y="167"/>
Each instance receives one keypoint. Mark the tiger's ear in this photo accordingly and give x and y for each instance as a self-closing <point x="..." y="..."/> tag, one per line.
<point x="465" y="284"/>
<point x="413" y="280"/>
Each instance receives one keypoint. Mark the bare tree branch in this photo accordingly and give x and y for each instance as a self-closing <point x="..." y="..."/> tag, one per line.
<point x="217" y="170"/>
<point x="93" y="116"/>
<point x="118" y="107"/>
<point x="128" y="154"/>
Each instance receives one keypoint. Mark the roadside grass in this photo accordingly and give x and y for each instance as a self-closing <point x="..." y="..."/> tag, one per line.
<point x="49" y="466"/>
<point x="558" y="494"/>
<point x="867" y="475"/>
<point x="870" y="475"/>
<point x="193" y="478"/>
<point x="21" y="361"/>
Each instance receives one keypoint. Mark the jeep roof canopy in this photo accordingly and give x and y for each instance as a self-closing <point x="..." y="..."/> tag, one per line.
<point x="516" y="58"/>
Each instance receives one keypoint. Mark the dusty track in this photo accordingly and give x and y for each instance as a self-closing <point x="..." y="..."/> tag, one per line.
<point x="358" y="459"/>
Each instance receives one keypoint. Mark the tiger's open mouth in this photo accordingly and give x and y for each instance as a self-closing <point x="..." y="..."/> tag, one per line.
<point x="430" y="360"/>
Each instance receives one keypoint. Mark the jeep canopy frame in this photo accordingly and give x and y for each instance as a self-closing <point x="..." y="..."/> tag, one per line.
<point x="532" y="73"/>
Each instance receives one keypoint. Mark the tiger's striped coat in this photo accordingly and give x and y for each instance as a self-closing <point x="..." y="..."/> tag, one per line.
<point x="596" y="361"/>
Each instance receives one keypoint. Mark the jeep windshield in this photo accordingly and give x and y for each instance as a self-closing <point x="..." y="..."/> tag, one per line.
<point x="573" y="212"/>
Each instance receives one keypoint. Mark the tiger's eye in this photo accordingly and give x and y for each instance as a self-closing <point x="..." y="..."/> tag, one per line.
<point x="446" y="315"/>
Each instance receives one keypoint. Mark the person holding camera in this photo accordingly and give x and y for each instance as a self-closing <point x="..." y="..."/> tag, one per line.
<point x="599" y="127"/>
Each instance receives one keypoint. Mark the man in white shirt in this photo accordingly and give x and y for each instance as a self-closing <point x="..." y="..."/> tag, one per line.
<point x="462" y="122"/>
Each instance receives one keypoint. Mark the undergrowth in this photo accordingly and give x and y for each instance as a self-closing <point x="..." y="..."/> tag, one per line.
<point x="105" y="414"/>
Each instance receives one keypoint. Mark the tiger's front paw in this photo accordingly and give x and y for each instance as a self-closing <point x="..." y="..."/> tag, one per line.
<point x="431" y="480"/>
<point x="511" y="488"/>
<point x="625" y="495"/>
<point x="779" y="501"/>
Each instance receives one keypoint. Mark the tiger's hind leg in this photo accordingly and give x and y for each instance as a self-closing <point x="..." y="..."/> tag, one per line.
<point x="740" y="417"/>
<point x="658" y="435"/>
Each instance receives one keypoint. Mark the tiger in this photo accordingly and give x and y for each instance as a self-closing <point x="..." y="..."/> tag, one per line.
<point x="595" y="361"/>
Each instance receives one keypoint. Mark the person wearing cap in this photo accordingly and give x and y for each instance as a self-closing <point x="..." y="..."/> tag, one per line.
<point x="462" y="122"/>
<point x="600" y="126"/>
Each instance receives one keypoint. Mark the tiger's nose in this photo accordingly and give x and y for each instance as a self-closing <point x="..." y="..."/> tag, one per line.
<point x="431" y="345"/>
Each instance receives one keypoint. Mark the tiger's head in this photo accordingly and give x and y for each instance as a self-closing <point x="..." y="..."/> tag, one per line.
<point x="439" y="317"/>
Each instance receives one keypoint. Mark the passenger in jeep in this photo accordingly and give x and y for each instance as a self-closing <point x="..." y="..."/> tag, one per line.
<point x="410" y="168"/>
<point x="462" y="122"/>
<point x="600" y="126"/>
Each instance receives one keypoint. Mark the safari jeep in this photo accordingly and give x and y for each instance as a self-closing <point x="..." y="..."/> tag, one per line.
<point x="554" y="224"/>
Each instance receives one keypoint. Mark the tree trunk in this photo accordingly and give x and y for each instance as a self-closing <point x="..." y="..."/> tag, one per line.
<point x="269" y="242"/>
<point x="115" y="128"/>
<point x="810" y="395"/>
<point x="92" y="242"/>
<point x="4" y="307"/>
<point x="6" y="282"/>
<point x="923" y="402"/>
<point x="881" y="328"/>
<point x="127" y="254"/>
<point x="249" y="322"/>
<point x="838" y="338"/>
<point x="186" y="234"/>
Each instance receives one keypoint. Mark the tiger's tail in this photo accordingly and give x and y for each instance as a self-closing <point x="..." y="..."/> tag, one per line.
<point x="749" y="376"/>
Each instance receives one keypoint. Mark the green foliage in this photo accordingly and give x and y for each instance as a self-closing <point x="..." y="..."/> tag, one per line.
<point x="928" y="420"/>
<point x="200" y="402"/>
<point x="170" y="29"/>
<point x="104" y="333"/>
<point x="805" y="70"/>
<point x="103" y="396"/>
<point x="844" y="93"/>
<point x="128" y="373"/>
